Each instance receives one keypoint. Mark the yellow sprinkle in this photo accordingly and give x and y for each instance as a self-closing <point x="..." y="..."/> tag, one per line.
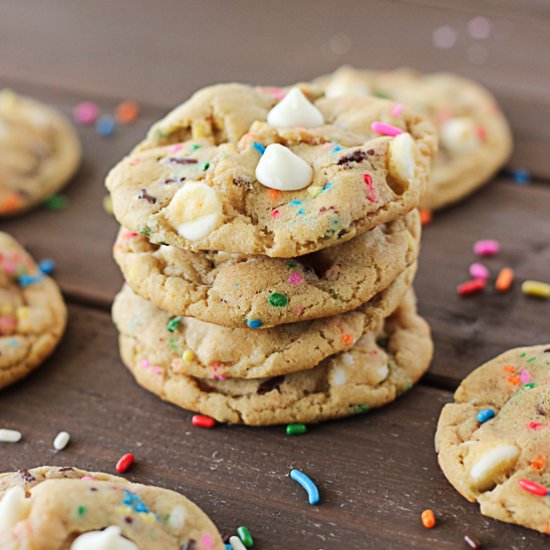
<point x="124" y="510"/>
<point x="314" y="190"/>
<point x="108" y="204"/>
<point x="188" y="355"/>
<point x="23" y="313"/>
<point x="536" y="289"/>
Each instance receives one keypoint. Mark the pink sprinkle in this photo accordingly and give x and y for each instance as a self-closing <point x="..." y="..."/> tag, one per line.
<point x="397" y="109"/>
<point x="146" y="365"/>
<point x="135" y="161"/>
<point x="479" y="271"/>
<point x="275" y="213"/>
<point x="175" y="148"/>
<point x="129" y="235"/>
<point x="275" y="92"/>
<point x="207" y="541"/>
<point x="299" y="309"/>
<point x="534" y="425"/>
<point x="295" y="278"/>
<point x="385" y="129"/>
<point x="486" y="247"/>
<point x="372" y="197"/>
<point x="86" y="113"/>
<point x="87" y="478"/>
<point x="525" y="377"/>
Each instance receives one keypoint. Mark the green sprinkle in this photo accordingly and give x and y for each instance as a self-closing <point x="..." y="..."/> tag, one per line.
<point x="56" y="202"/>
<point x="206" y="166"/>
<point x="276" y="299"/>
<point x="245" y="536"/>
<point x="361" y="408"/>
<point x="382" y="95"/>
<point x="174" y="346"/>
<point x="523" y="355"/>
<point x="531" y="360"/>
<point x="195" y="147"/>
<point x="531" y="385"/>
<point x="145" y="231"/>
<point x="292" y="264"/>
<point x="81" y="511"/>
<point x="173" y="324"/>
<point x="296" y="429"/>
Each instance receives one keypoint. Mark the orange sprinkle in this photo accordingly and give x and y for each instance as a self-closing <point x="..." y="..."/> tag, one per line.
<point x="127" y="111"/>
<point x="538" y="463"/>
<point x="274" y="194"/>
<point x="428" y="519"/>
<point x="425" y="216"/>
<point x="509" y="368"/>
<point x="504" y="280"/>
<point x="12" y="202"/>
<point x="514" y="380"/>
<point x="347" y="339"/>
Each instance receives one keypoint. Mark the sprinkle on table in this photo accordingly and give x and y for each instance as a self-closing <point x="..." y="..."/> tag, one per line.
<point x="10" y="436"/>
<point x="61" y="441"/>
<point x="124" y="462"/>
<point x="126" y="112"/>
<point x="471" y="287"/>
<point x="47" y="266"/>
<point x="86" y="112"/>
<point x="472" y="542"/>
<point x="56" y="202"/>
<point x="296" y="429"/>
<point x="536" y="289"/>
<point x="201" y="421"/>
<point x="245" y="536"/>
<point x="504" y="280"/>
<point x="105" y="125"/>
<point x="428" y="519"/>
<point x="486" y="247"/>
<point x="235" y="543"/>
<point x="308" y="485"/>
<point x="479" y="271"/>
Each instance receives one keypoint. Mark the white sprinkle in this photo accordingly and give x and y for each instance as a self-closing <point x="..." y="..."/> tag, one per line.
<point x="9" y="436"/>
<point x="236" y="543"/>
<point x="444" y="37"/>
<point x="61" y="440"/>
<point x="479" y="27"/>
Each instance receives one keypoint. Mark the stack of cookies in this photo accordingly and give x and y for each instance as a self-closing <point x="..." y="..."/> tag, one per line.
<point x="269" y="242"/>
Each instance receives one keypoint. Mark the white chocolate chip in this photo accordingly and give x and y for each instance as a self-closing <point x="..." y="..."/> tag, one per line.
<point x="339" y="377"/>
<point x="279" y="168"/>
<point x="402" y="157"/>
<point x="348" y="359"/>
<point x="347" y="84"/>
<point x="492" y="463"/>
<point x="383" y="372"/>
<point x="108" y="539"/>
<point x="177" y="518"/>
<point x="14" y="507"/>
<point x="295" y="110"/>
<point x="195" y="211"/>
<point x="459" y="135"/>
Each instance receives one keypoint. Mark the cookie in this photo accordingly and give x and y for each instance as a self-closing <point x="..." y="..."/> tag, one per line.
<point x="474" y="136"/>
<point x="386" y="361"/>
<point x="235" y="290"/>
<point x="65" y="508"/>
<point x="223" y="172"/>
<point x="40" y="152"/>
<point x="493" y="442"/>
<point x="32" y="313"/>
<point x="206" y="350"/>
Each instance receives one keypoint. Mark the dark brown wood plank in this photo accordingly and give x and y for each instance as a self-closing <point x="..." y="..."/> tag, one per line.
<point x="376" y="472"/>
<point x="470" y="330"/>
<point x="152" y="51"/>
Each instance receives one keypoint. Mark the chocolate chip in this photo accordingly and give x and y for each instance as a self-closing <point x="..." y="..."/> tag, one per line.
<point x="270" y="384"/>
<point x="182" y="161"/>
<point x="356" y="156"/>
<point x="149" y="198"/>
<point x="173" y="180"/>
<point x="26" y="476"/>
<point x="189" y="544"/>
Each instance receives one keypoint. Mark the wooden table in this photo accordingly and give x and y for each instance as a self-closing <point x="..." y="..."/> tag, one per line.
<point x="378" y="471"/>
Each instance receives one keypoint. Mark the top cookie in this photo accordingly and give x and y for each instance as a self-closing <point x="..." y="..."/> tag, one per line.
<point x="40" y="152"/>
<point x="52" y="508"/>
<point x="234" y="169"/>
<point x="474" y="137"/>
<point x="494" y="440"/>
<point x="32" y="313"/>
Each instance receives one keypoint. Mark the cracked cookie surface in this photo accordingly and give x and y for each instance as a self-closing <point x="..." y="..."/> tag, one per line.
<point x="51" y="508"/>
<point x="233" y="290"/>
<point x="40" y="152"/>
<point x="385" y="361"/>
<point x="474" y="136"/>
<point x="32" y="313"/>
<point x="492" y="458"/>
<point x="203" y="157"/>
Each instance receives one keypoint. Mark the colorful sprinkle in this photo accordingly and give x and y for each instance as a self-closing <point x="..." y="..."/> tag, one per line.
<point x="259" y="147"/>
<point x="28" y="280"/>
<point x="470" y="287"/>
<point x="538" y="463"/>
<point x="254" y="323"/>
<point x="521" y="176"/>
<point x="308" y="485"/>
<point x="235" y="543"/>
<point x="428" y="519"/>
<point x="124" y="463"/>
<point x="105" y="125"/>
<point x="295" y="278"/>
<point x="86" y="113"/>
<point x="534" y="425"/>
<point x="296" y="429"/>
<point x="472" y="542"/>
<point x="276" y="299"/>
<point x="504" y="280"/>
<point x="47" y="266"/>
<point x="61" y="441"/>
<point x="533" y="487"/>
<point x="524" y="376"/>
<point x="486" y="247"/>
<point x="126" y="112"/>
<point x="173" y="324"/>
<point x="201" y="421"/>
<point x="397" y="109"/>
<point x="385" y="129"/>
<point x="536" y="289"/>
<point x="484" y="415"/>
<point x="188" y="355"/>
<point x="10" y="436"/>
<point x="56" y="202"/>
<point x="81" y="511"/>
<point x="479" y="271"/>
<point x="346" y="339"/>
<point x="426" y="216"/>
<point x="372" y="197"/>
<point x="245" y="536"/>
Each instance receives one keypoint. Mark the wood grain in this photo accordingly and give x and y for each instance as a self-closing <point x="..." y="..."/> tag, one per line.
<point x="376" y="472"/>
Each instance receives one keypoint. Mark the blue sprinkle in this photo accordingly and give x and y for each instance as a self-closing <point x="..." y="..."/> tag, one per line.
<point x="307" y="484"/>
<point x="336" y="149"/>
<point x="521" y="176"/>
<point x="484" y="415"/>
<point x="105" y="125"/>
<point x="28" y="280"/>
<point x="301" y="212"/>
<point x="228" y="547"/>
<point x="254" y="323"/>
<point x="47" y="266"/>
<point x="14" y="342"/>
<point x="259" y="147"/>
<point x="295" y="202"/>
<point x="327" y="186"/>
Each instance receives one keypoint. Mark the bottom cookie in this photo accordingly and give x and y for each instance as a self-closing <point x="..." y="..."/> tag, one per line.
<point x="385" y="362"/>
<point x="493" y="442"/>
<point x="64" y="508"/>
